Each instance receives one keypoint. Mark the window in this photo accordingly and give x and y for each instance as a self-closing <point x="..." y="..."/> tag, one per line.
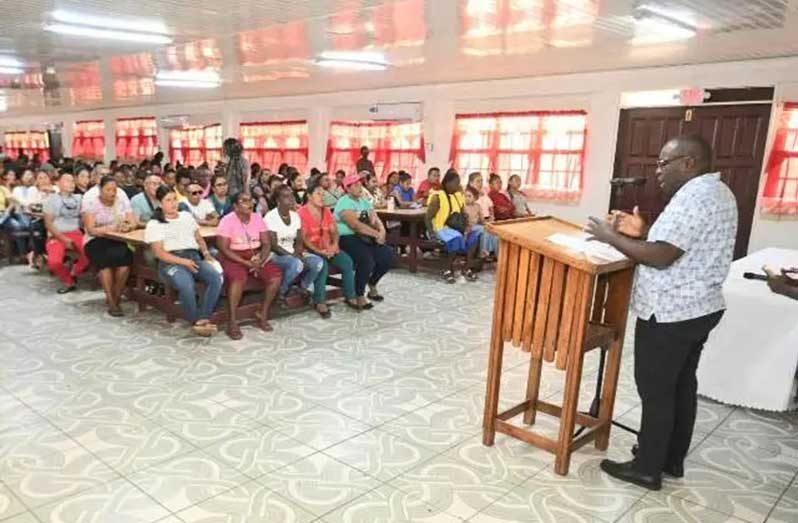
<point x="196" y="145"/>
<point x="781" y="185"/>
<point x="136" y="138"/>
<point x="273" y="143"/>
<point x="394" y="146"/>
<point x="546" y="149"/>
<point x="27" y="143"/>
<point x="88" y="140"/>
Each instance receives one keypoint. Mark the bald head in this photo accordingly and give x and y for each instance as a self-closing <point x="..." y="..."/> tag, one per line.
<point x="682" y="159"/>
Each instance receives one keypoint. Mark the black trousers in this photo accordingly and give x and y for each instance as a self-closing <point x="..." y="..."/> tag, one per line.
<point x="666" y="359"/>
<point x="372" y="261"/>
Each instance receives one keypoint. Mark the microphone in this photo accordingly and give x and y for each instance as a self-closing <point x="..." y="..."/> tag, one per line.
<point x="754" y="276"/>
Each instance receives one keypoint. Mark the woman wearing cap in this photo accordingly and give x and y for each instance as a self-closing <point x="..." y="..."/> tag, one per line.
<point x="363" y="239"/>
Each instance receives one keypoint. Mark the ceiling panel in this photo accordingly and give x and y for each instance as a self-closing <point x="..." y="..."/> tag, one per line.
<point x="268" y="47"/>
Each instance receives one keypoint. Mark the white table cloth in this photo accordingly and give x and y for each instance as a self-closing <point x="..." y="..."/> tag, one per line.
<point x="751" y="357"/>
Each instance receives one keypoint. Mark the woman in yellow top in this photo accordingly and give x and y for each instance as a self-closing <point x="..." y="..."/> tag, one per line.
<point x="447" y="221"/>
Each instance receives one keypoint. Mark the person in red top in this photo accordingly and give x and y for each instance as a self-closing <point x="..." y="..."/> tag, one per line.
<point x="432" y="183"/>
<point x="503" y="208"/>
<point x="320" y="234"/>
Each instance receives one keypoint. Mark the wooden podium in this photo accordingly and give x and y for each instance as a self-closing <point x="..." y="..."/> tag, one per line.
<point x="556" y="304"/>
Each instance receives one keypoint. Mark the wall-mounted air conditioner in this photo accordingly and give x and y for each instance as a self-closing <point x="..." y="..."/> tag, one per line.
<point x="403" y="112"/>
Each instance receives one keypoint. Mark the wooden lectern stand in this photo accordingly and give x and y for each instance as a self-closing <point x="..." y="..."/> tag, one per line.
<point x="556" y="304"/>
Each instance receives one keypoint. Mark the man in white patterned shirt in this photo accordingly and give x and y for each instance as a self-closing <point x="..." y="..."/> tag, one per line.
<point x="684" y="259"/>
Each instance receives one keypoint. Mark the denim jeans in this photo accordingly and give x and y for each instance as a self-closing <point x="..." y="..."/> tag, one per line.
<point x="14" y="223"/>
<point x="347" y="268"/>
<point x="184" y="280"/>
<point x="309" y="267"/>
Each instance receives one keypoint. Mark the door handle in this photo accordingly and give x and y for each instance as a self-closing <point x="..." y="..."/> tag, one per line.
<point x="620" y="182"/>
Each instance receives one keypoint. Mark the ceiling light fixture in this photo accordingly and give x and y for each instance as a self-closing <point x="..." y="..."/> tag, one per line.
<point x="93" y="32"/>
<point x="136" y="25"/>
<point x="11" y="70"/>
<point x="10" y="61"/>
<point x="206" y="79"/>
<point x="355" y="61"/>
<point x="654" y="25"/>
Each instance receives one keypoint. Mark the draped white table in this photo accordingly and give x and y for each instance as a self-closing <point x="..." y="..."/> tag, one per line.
<point x="751" y="357"/>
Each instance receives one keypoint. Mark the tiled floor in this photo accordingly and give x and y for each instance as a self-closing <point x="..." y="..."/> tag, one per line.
<point x="365" y="418"/>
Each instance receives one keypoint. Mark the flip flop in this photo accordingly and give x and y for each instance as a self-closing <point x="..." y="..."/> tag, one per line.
<point x="375" y="297"/>
<point x="66" y="289"/>
<point x="263" y="324"/>
<point x="355" y="306"/>
<point x="234" y="332"/>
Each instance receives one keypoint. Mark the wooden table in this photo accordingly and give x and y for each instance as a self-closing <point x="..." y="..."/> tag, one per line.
<point x="556" y="304"/>
<point x="413" y="217"/>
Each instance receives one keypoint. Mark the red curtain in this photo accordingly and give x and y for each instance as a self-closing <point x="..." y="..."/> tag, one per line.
<point x="28" y="143"/>
<point x="545" y="148"/>
<point x="781" y="183"/>
<point x="394" y="146"/>
<point x="88" y="140"/>
<point x="136" y="138"/>
<point x="272" y="143"/>
<point x="195" y="145"/>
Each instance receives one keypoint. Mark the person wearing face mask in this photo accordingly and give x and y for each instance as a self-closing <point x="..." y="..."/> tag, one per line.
<point x="62" y="219"/>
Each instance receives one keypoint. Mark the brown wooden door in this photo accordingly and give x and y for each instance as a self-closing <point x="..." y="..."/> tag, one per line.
<point x="737" y="134"/>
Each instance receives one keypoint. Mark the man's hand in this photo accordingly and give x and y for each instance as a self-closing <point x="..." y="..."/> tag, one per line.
<point x="68" y="244"/>
<point x="631" y="225"/>
<point x="191" y="266"/>
<point x="600" y="230"/>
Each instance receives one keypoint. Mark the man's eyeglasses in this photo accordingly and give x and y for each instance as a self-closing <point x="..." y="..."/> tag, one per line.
<point x="220" y="184"/>
<point x="666" y="162"/>
<point x="195" y="193"/>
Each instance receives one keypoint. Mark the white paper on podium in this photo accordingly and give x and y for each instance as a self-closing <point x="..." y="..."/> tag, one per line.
<point x="592" y="249"/>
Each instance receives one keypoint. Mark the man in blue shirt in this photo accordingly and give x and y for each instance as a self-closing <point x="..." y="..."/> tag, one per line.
<point x="684" y="258"/>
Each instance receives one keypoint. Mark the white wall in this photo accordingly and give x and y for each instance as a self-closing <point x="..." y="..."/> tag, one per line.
<point x="598" y="93"/>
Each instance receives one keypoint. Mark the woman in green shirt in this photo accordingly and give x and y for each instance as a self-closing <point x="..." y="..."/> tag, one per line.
<point x="363" y="239"/>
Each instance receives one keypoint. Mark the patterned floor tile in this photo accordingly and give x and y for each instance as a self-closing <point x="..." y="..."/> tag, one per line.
<point x="723" y="492"/>
<point x="187" y="480"/>
<point x="753" y="458"/>
<point x="508" y="460"/>
<point x="318" y="427"/>
<point x="452" y="486"/>
<point x="248" y="503"/>
<point x="380" y="454"/>
<point x="786" y="511"/>
<point x="115" y="502"/>
<point x="25" y="517"/>
<point x="388" y="505"/>
<point x="319" y="483"/>
<point x="258" y="450"/>
<point x="523" y="506"/>
<point x="656" y="507"/>
<point x="9" y="504"/>
<point x="14" y="413"/>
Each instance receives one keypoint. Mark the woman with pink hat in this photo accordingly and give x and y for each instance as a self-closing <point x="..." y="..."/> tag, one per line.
<point x="363" y="239"/>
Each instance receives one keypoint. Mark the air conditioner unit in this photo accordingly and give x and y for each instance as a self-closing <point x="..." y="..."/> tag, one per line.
<point x="174" y="122"/>
<point x="403" y="112"/>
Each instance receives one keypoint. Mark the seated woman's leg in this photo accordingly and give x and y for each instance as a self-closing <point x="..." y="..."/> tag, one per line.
<point x="38" y="236"/>
<point x="384" y="261"/>
<point x="183" y="281"/>
<point x="347" y="267"/>
<point x="320" y="282"/>
<point x="121" y="275"/>
<point x="291" y="268"/>
<point x="106" y="277"/>
<point x="362" y="259"/>
<point x="55" y="261"/>
<point x="271" y="276"/>
<point x="313" y="264"/>
<point x="213" y="288"/>
<point x="13" y="225"/>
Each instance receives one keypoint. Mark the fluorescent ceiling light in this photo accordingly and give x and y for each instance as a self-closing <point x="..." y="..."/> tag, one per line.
<point x="126" y="24"/>
<point x="655" y="25"/>
<point x="11" y="70"/>
<point x="92" y="32"/>
<point x="205" y="79"/>
<point x="3" y="104"/>
<point x="10" y="61"/>
<point x="356" y="61"/>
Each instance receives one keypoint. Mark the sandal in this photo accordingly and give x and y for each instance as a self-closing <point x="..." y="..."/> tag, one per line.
<point x="375" y="296"/>
<point x="469" y="275"/>
<point x="115" y="312"/>
<point x="67" y="288"/>
<point x="263" y="323"/>
<point x="449" y="277"/>
<point x="325" y="314"/>
<point x="367" y="306"/>
<point x="203" y="330"/>
<point x="355" y="306"/>
<point x="211" y="326"/>
<point x="234" y="331"/>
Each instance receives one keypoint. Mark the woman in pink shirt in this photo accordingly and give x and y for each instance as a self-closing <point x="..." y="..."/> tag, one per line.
<point x="245" y="249"/>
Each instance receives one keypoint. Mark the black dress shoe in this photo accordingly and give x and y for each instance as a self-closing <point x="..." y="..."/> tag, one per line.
<point x="628" y="473"/>
<point x="676" y="471"/>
